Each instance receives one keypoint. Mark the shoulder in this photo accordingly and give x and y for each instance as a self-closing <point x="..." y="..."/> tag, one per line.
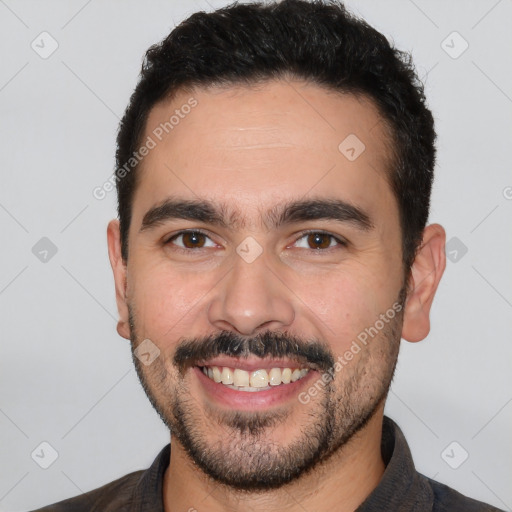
<point x="114" y="496"/>
<point x="447" y="499"/>
<point x="131" y="492"/>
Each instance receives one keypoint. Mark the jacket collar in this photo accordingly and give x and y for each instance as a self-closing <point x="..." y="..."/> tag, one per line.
<point x="401" y="488"/>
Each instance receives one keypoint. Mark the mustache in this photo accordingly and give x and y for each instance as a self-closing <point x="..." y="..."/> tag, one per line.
<point x="313" y="353"/>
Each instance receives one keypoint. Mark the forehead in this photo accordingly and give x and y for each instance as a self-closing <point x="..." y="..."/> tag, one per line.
<point x="258" y="145"/>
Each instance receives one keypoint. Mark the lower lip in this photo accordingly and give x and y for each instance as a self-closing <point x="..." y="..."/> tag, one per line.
<point x="251" y="400"/>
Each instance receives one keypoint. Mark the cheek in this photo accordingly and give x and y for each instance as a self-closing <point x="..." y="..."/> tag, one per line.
<point x="345" y="305"/>
<point x="161" y="299"/>
<point x="167" y="301"/>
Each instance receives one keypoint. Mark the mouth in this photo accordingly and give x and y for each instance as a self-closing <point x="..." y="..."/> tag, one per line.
<point x="258" y="380"/>
<point x="250" y="384"/>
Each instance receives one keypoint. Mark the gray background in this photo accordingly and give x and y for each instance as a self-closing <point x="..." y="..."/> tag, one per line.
<point x="66" y="377"/>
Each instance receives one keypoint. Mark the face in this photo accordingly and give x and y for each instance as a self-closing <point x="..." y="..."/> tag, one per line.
<point x="264" y="236"/>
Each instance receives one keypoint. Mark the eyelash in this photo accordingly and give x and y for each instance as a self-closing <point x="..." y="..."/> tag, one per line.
<point x="341" y="242"/>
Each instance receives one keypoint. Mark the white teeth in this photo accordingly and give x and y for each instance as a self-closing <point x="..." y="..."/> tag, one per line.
<point x="298" y="374"/>
<point x="274" y="376"/>
<point x="227" y="375"/>
<point x="295" y="375"/>
<point x="240" y="377"/>
<point x="257" y="380"/>
<point x="216" y="374"/>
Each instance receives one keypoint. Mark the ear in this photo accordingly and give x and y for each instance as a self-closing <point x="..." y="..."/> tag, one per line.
<point x="426" y="272"/>
<point x="119" y="269"/>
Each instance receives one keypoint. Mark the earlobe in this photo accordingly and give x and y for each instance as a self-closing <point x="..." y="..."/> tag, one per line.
<point x="120" y="274"/>
<point x="426" y="272"/>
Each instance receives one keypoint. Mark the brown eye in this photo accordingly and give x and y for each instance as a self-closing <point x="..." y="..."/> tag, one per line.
<point x="190" y="240"/>
<point x="193" y="239"/>
<point x="319" y="240"/>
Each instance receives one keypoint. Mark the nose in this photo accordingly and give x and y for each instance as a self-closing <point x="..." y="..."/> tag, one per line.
<point x="252" y="298"/>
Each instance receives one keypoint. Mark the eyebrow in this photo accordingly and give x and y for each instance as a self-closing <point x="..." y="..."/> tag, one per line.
<point x="219" y="214"/>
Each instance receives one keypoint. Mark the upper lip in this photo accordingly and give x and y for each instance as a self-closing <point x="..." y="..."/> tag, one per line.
<point x="253" y="363"/>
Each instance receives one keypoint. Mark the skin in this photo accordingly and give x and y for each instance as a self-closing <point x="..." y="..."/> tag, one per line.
<point x="254" y="149"/>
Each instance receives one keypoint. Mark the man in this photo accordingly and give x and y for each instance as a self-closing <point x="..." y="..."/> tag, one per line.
<point x="274" y="169"/>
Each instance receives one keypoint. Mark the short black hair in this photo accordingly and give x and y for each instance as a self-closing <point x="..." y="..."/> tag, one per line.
<point x="318" y="41"/>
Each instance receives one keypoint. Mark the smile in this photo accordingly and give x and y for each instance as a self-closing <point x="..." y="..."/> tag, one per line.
<point x="258" y="380"/>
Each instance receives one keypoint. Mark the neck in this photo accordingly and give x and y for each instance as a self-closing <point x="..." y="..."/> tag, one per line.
<point x="341" y="483"/>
